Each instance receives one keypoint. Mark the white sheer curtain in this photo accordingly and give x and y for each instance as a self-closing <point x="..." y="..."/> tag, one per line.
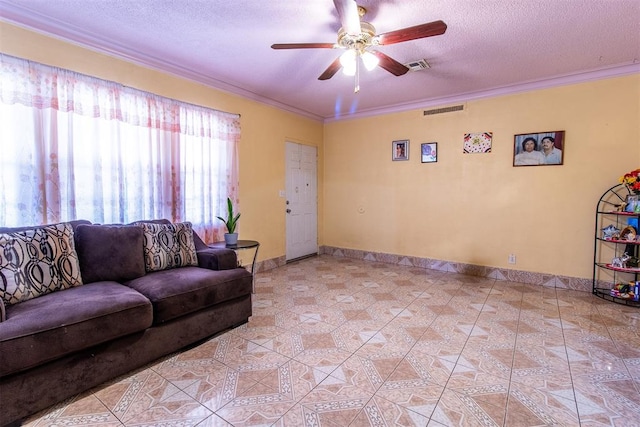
<point x="77" y="147"/>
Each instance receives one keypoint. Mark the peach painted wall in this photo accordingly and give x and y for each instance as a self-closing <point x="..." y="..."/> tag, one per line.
<point x="478" y="208"/>
<point x="471" y="208"/>
<point x="265" y="129"/>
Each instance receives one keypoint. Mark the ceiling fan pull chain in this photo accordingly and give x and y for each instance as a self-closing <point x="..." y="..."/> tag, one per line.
<point x="356" y="89"/>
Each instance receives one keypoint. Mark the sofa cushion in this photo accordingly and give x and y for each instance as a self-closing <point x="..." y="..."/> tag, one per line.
<point x="168" y="246"/>
<point x="74" y="224"/>
<point x="67" y="321"/>
<point x="180" y="291"/>
<point x="217" y="258"/>
<point x="110" y="252"/>
<point x="37" y="261"/>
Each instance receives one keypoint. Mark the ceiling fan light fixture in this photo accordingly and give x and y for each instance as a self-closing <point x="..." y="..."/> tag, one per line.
<point x="349" y="70"/>
<point x="348" y="62"/>
<point x="369" y="60"/>
<point x="348" y="58"/>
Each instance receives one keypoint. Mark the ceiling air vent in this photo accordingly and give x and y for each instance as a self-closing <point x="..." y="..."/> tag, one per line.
<point x="420" y="64"/>
<point x="443" y="110"/>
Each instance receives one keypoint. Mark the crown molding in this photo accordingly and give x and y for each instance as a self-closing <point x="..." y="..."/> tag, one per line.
<point x="39" y="23"/>
<point x="34" y="21"/>
<point x="563" y="80"/>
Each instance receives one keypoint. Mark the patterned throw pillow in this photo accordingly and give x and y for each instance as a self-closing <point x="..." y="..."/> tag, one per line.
<point x="168" y="246"/>
<point x="36" y="262"/>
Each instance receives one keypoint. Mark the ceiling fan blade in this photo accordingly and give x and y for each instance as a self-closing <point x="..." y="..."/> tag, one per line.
<point x="303" y="46"/>
<point x="349" y="17"/>
<point x="390" y="64"/>
<point x="418" y="32"/>
<point x="331" y="70"/>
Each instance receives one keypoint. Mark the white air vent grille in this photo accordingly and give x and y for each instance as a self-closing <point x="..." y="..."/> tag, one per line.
<point x="420" y="64"/>
<point x="443" y="110"/>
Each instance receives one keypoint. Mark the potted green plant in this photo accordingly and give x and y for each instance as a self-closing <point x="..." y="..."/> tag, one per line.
<point x="231" y="222"/>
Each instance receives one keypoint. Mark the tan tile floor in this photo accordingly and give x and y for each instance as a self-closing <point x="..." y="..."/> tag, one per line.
<point x="337" y="342"/>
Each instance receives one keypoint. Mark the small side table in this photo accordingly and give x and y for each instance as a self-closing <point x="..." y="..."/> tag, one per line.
<point x="241" y="245"/>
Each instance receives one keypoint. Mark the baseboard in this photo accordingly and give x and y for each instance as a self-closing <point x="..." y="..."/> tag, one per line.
<point x="520" y="276"/>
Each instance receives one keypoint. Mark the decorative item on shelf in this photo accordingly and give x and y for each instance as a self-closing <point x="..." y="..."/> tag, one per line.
<point x="632" y="262"/>
<point x="633" y="203"/>
<point x="610" y="232"/>
<point x="623" y="290"/>
<point x="620" y="262"/>
<point x="632" y="181"/>
<point x="231" y="222"/>
<point x="619" y="289"/>
<point x="621" y="207"/>
<point x="628" y="233"/>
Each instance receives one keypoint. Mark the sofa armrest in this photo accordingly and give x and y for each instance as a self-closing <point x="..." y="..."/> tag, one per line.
<point x="217" y="259"/>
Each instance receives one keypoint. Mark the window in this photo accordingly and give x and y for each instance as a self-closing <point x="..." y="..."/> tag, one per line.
<point x="77" y="147"/>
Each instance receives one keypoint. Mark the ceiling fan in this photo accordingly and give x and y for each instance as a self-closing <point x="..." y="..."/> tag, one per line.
<point x="359" y="39"/>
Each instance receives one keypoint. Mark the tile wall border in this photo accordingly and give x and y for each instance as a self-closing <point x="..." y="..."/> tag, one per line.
<point x="541" y="279"/>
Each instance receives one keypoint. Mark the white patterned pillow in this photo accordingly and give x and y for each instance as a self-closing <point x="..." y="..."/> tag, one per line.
<point x="168" y="246"/>
<point x="36" y="262"/>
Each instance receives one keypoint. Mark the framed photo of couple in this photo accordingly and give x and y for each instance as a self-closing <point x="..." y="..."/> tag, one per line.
<point x="539" y="149"/>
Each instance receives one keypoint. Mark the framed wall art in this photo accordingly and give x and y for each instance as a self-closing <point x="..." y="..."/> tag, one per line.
<point x="477" y="142"/>
<point x="429" y="152"/>
<point x="400" y="150"/>
<point x="538" y="149"/>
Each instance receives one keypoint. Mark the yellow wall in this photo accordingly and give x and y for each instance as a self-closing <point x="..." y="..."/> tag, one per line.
<point x="478" y="208"/>
<point x="265" y="129"/>
<point x="471" y="208"/>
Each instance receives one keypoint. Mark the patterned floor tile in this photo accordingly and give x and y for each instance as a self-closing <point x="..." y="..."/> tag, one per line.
<point x="553" y="405"/>
<point x="337" y="342"/>
<point x="605" y="397"/>
<point x="85" y="410"/>
<point x="245" y="355"/>
<point x="456" y="409"/>
<point x="146" y="398"/>
<point x="207" y="380"/>
<point x="257" y="406"/>
<point x="381" y="412"/>
<point x="335" y="400"/>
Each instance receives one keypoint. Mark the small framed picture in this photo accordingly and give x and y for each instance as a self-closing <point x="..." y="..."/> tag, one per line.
<point x="400" y="150"/>
<point x="429" y="152"/>
<point x="538" y="149"/>
<point x="477" y="143"/>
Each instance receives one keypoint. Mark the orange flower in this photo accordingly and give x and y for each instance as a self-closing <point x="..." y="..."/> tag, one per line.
<point x="632" y="181"/>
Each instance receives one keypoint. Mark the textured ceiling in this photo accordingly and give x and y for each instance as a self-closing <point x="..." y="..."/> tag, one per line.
<point x="490" y="47"/>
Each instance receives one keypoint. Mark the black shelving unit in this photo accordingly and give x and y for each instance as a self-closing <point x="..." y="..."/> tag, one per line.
<point x="605" y="275"/>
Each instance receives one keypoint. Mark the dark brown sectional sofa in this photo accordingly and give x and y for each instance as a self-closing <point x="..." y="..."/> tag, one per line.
<point x="121" y="318"/>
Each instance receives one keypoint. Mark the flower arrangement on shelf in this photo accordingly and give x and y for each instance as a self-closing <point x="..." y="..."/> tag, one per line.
<point x="632" y="181"/>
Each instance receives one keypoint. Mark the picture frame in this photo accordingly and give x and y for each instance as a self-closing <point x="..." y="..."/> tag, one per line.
<point x="477" y="143"/>
<point x="539" y="149"/>
<point x="429" y="152"/>
<point x="400" y="150"/>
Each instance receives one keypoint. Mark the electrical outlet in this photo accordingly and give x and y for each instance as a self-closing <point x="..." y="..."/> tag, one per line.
<point x="512" y="258"/>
